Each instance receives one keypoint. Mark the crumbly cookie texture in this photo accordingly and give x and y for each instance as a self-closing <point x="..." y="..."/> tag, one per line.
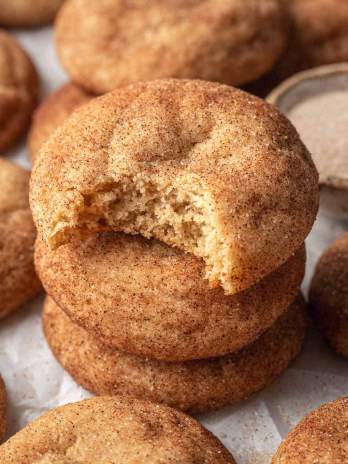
<point x="3" y="408"/>
<point x="147" y="298"/>
<point x="201" y="166"/>
<point x="321" y="437"/>
<point x="194" y="386"/>
<point x="21" y="13"/>
<point x="19" y="88"/>
<point x="329" y="295"/>
<point x="111" y="430"/>
<point x="52" y="113"/>
<point x="106" y="44"/>
<point x="18" y="280"/>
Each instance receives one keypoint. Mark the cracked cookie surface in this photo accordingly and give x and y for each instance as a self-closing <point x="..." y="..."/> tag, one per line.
<point x="19" y="88"/>
<point x="105" y="44"/>
<point x="18" y="280"/>
<point x="146" y="298"/>
<point x="194" y="386"/>
<point x="204" y="167"/>
<point x="113" y="430"/>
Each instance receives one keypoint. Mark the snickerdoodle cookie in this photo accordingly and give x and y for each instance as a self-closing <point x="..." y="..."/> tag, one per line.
<point x="18" y="281"/>
<point x="321" y="437"/>
<point x="113" y="430"/>
<point x="147" y="298"/>
<point x="53" y="112"/>
<point x="105" y="44"/>
<point x="329" y="295"/>
<point x="3" y="408"/>
<point x="19" y="87"/>
<point x="25" y="13"/>
<point x="318" y="36"/>
<point x="194" y="386"/>
<point x="202" y="166"/>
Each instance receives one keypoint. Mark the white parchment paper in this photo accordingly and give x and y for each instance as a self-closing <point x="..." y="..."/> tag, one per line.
<point x="252" y="430"/>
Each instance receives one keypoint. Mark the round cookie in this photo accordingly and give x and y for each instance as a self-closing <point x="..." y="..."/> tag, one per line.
<point x="22" y="13"/>
<point x="329" y="295"/>
<point x="53" y="112"/>
<point x="194" y="386"/>
<point x="111" y="430"/>
<point x="146" y="298"/>
<point x="18" y="280"/>
<point x="3" y="408"/>
<point x="201" y="166"/>
<point x="318" y="36"/>
<point x="19" y="88"/>
<point x="321" y="437"/>
<point x="115" y="43"/>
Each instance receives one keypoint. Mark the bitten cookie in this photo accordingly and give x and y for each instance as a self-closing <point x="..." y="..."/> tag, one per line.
<point x="204" y="167"/>
<point x="321" y="437"/>
<point x="53" y="112"/>
<point x="3" y="408"/>
<point x="194" y="386"/>
<point x="23" y="13"/>
<point x="105" y="44"/>
<point x="111" y="430"/>
<point x="146" y="298"/>
<point x="19" y="88"/>
<point x="18" y="280"/>
<point x="329" y="295"/>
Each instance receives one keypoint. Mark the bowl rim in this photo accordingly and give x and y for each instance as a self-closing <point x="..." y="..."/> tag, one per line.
<point x="333" y="182"/>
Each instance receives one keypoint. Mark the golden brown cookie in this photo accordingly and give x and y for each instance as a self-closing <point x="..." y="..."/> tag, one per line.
<point x="53" y="112"/>
<point x="201" y="166"/>
<point x="3" y="408"/>
<point x="19" y="88"/>
<point x="146" y="298"/>
<point x="318" y="36"/>
<point x="113" y="430"/>
<point x="329" y="295"/>
<point x="105" y="44"/>
<point x="193" y="386"/>
<point x="321" y="437"/>
<point x="18" y="280"/>
<point x="24" y="13"/>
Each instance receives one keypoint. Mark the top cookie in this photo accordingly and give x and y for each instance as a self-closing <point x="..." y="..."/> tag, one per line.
<point x="19" y="88"/>
<point x="113" y="430"/>
<point x="53" y="112"/>
<point x="201" y="166"/>
<point x="23" y="13"/>
<point x="105" y="44"/>
<point x="321" y="437"/>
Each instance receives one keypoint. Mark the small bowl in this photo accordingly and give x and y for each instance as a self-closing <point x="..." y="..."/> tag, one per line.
<point x="324" y="84"/>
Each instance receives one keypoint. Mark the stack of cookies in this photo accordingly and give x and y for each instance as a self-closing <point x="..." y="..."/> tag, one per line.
<point x="171" y="217"/>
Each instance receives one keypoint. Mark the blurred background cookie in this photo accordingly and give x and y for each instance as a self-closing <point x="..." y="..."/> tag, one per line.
<point x="104" y="44"/>
<point x="53" y="112"/>
<point x="194" y="386"/>
<point x="321" y="437"/>
<point x="329" y="295"/>
<point x="25" y="13"/>
<point x="244" y="218"/>
<point x="108" y="430"/>
<point x="18" y="280"/>
<point x="146" y="298"/>
<point x="19" y="88"/>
